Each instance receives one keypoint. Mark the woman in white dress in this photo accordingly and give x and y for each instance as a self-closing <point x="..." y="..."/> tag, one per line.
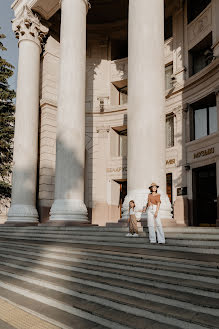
<point x="153" y="206"/>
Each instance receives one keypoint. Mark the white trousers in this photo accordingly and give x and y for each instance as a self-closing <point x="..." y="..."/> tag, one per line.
<point x="151" y="226"/>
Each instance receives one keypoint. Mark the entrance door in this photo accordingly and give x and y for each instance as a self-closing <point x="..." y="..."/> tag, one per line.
<point x="169" y="187"/>
<point x="205" y="195"/>
<point x="123" y="193"/>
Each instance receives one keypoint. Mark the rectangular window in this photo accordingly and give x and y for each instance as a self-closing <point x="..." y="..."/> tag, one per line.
<point x="168" y="27"/>
<point x="212" y="119"/>
<point x="200" y="123"/>
<point x="168" y="76"/>
<point x="201" y="55"/>
<point x="169" y="130"/>
<point x="204" y="117"/>
<point x="194" y="8"/>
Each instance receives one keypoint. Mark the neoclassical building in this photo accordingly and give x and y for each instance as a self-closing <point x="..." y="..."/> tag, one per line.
<point x="112" y="95"/>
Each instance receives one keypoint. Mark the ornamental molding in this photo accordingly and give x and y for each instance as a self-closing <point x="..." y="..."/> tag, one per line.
<point x="27" y="26"/>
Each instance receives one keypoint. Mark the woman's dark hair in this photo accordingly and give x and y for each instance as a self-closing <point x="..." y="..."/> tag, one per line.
<point x="132" y="202"/>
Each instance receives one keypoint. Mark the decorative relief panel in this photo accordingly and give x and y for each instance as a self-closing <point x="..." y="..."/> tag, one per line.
<point x="200" y="27"/>
<point x="168" y="50"/>
<point x="119" y="69"/>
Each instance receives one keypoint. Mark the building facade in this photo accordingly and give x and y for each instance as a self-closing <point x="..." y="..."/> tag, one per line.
<point x="113" y="95"/>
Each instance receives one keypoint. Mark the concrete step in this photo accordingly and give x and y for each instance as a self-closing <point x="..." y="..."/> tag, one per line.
<point x="82" y="297"/>
<point x="97" y="278"/>
<point x="78" y="237"/>
<point x="194" y="241"/>
<point x="131" y="242"/>
<point x="193" y="236"/>
<point x="109" y="233"/>
<point x="178" y="259"/>
<point x="39" y="286"/>
<point x="169" y="230"/>
<point x="171" y="296"/>
<point x="192" y="229"/>
<point x="207" y="241"/>
<point x="73" y="233"/>
<point x="204" y="274"/>
<point x="104" y="313"/>
<point x="42" y="228"/>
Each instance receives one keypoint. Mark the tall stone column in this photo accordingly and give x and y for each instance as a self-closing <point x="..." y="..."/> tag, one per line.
<point x="70" y="138"/>
<point x="30" y="33"/>
<point x="146" y="110"/>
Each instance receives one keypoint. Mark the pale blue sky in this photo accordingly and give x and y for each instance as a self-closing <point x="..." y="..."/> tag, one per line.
<point x="11" y="55"/>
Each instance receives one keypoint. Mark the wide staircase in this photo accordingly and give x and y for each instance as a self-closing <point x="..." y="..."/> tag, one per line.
<point x="97" y="278"/>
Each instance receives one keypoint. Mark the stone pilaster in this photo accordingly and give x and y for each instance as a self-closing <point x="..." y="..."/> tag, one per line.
<point x="100" y="209"/>
<point x="30" y="33"/>
<point x="146" y="115"/>
<point x="70" y="138"/>
<point x="178" y="47"/>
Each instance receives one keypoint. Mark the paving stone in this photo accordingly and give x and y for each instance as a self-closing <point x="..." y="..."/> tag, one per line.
<point x="5" y="325"/>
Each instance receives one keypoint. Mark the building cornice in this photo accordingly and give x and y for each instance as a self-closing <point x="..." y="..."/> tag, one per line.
<point x="45" y="8"/>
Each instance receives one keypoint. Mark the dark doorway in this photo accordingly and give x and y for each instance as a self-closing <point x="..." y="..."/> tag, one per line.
<point x="169" y="187"/>
<point x="205" y="196"/>
<point x="123" y="192"/>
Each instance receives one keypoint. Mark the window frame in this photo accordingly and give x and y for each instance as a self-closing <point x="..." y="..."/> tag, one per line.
<point x="168" y="65"/>
<point x="171" y="116"/>
<point x="208" y="121"/>
<point x="192" y="16"/>
<point x="206" y="102"/>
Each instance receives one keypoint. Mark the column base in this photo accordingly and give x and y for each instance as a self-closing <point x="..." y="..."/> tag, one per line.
<point x="141" y="198"/>
<point x="20" y="213"/>
<point x="68" y="210"/>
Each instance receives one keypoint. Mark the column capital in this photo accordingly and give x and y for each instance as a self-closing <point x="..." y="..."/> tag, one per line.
<point x="27" y="26"/>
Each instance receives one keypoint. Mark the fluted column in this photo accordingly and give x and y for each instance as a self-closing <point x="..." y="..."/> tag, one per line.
<point x="30" y="33"/>
<point x="70" y="138"/>
<point x="146" y="109"/>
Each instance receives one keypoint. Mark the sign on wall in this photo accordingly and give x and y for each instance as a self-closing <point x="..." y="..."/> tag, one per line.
<point x="203" y="153"/>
